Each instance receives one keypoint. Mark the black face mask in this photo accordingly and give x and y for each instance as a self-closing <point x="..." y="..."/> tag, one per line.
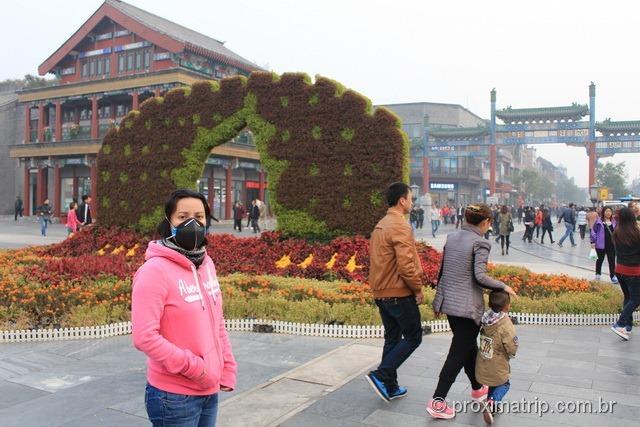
<point x="189" y="235"/>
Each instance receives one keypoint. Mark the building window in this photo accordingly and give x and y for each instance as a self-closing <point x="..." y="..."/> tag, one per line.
<point x="85" y="69"/>
<point x="92" y="68"/>
<point x="130" y="62"/>
<point x="99" y="68"/>
<point x="147" y="59"/>
<point x="120" y="63"/>
<point x="107" y="65"/>
<point x="138" y="60"/>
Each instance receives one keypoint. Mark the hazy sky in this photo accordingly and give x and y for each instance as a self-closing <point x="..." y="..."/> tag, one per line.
<point x="536" y="53"/>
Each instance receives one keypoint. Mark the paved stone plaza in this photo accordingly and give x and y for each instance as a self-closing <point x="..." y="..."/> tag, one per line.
<point x="303" y="381"/>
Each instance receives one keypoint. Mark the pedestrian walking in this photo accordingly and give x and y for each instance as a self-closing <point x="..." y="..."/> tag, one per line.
<point x="505" y="221"/>
<point x="413" y="218"/>
<point x="263" y="214"/>
<point x="84" y="211"/>
<point x="547" y="226"/>
<point x="520" y="214"/>
<point x="496" y="223"/>
<point x="529" y="224"/>
<point x="395" y="277"/>
<point x="435" y="220"/>
<point x="537" y="222"/>
<point x="18" y="208"/>
<point x="177" y="320"/>
<point x="581" y="221"/>
<point x="626" y="238"/>
<point x="569" y="216"/>
<point x="460" y="216"/>
<point x="44" y="216"/>
<point x="72" y="219"/>
<point x="602" y="242"/>
<point x="254" y="214"/>
<point x="420" y="217"/>
<point x="459" y="295"/>
<point x="498" y="344"/>
<point x="238" y="216"/>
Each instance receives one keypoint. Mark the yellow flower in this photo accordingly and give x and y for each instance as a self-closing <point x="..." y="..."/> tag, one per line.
<point x="307" y="262"/>
<point x="351" y="265"/>
<point x="284" y="262"/>
<point x="101" y="252"/>
<point x="131" y="252"/>
<point x="332" y="261"/>
<point x="117" y="250"/>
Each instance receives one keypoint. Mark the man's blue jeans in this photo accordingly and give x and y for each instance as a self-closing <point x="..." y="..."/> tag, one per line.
<point x="568" y="233"/>
<point x="43" y="225"/>
<point x="435" y="224"/>
<point x="402" y="335"/>
<point x="497" y="393"/>
<point x="180" y="410"/>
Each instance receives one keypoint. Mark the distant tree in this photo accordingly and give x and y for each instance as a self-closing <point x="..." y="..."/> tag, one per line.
<point x="568" y="191"/>
<point x="28" y="82"/>
<point x="614" y="176"/>
<point x="635" y="187"/>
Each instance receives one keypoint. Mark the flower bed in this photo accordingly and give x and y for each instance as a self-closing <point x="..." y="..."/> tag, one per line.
<point x="86" y="280"/>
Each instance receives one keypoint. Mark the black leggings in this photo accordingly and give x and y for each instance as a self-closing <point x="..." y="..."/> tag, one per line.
<point x="502" y="240"/>
<point x="462" y="353"/>
<point x="546" y="230"/>
<point x="610" y="252"/>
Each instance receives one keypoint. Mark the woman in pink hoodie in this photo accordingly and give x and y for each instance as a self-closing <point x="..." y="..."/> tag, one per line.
<point x="177" y="319"/>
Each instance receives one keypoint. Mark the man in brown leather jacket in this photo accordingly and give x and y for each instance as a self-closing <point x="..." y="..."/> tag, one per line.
<point x="395" y="277"/>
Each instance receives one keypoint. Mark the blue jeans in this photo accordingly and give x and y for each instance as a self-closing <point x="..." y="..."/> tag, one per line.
<point x="568" y="233"/>
<point x="43" y="225"/>
<point x="402" y="335"/>
<point x="497" y="393"/>
<point x="435" y="224"/>
<point x="180" y="410"/>
<point x="630" y="286"/>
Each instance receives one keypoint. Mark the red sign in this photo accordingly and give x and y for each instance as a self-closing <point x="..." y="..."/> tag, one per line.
<point x="254" y="184"/>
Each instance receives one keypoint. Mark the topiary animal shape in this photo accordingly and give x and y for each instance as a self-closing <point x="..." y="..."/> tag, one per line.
<point x="320" y="144"/>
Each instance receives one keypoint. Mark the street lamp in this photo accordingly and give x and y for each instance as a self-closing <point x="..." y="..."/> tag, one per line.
<point x="593" y="195"/>
<point x="414" y="191"/>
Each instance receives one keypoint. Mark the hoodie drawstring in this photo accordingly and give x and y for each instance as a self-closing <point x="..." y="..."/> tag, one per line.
<point x="195" y="277"/>
<point x="213" y="291"/>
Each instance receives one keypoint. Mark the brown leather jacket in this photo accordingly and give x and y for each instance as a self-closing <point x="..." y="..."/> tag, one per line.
<point x="395" y="269"/>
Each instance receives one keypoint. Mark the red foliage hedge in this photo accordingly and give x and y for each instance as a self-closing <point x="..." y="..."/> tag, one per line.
<point x="89" y="253"/>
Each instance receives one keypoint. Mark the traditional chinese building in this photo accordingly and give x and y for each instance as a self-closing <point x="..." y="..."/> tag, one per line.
<point x="118" y="58"/>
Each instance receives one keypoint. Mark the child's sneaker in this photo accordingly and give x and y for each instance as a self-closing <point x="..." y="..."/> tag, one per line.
<point x="487" y="412"/>
<point x="438" y="408"/>
<point x="621" y="332"/>
<point x="378" y="386"/>
<point x="614" y="280"/>
<point x="480" y="394"/>
<point x="398" y="393"/>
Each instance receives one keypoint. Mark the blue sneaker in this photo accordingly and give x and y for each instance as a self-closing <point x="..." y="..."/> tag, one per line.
<point x="400" y="392"/>
<point x="378" y="386"/>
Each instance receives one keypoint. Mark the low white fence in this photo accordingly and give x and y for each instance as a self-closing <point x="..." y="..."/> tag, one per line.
<point x="305" y="329"/>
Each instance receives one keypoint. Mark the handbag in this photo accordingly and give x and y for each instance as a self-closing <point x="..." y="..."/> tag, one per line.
<point x="593" y="255"/>
<point x="510" y="226"/>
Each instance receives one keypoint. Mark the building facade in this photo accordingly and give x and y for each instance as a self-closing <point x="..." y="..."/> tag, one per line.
<point x="118" y="58"/>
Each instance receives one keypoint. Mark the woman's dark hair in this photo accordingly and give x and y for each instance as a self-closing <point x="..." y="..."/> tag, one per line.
<point x="627" y="232"/>
<point x="164" y="228"/>
<point x="475" y="214"/>
<point x="545" y="213"/>
<point x="72" y="205"/>
<point x="604" y="209"/>
<point x="504" y="209"/>
<point x="395" y="192"/>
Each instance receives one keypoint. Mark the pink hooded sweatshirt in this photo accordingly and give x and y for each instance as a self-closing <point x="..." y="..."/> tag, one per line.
<point x="176" y="313"/>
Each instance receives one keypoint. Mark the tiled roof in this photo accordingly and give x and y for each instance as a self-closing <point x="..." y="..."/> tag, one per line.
<point x="573" y="112"/>
<point x="7" y="98"/>
<point x="178" y="32"/>
<point x="608" y="126"/>
<point x="468" y="132"/>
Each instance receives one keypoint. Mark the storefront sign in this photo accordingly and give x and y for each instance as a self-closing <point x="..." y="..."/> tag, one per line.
<point x="444" y="186"/>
